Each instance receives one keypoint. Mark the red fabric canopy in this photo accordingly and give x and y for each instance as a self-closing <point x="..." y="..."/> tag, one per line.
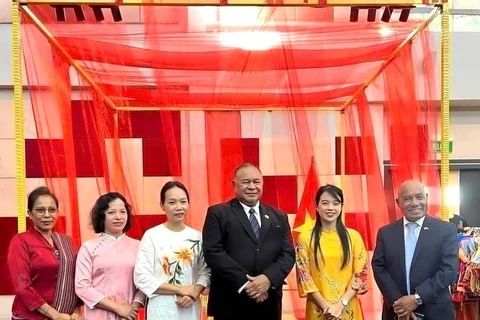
<point x="203" y="90"/>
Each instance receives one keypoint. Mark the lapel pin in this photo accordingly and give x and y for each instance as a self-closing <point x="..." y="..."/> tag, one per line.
<point x="267" y="216"/>
<point x="425" y="228"/>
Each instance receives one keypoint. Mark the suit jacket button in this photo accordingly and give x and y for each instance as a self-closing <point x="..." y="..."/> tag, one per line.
<point x="258" y="250"/>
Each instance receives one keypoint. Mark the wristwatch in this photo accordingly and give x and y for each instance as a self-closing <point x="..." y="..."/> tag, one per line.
<point x="418" y="299"/>
<point x="344" y="302"/>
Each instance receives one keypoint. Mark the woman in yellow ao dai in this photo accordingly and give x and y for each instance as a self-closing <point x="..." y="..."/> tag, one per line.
<point x="331" y="262"/>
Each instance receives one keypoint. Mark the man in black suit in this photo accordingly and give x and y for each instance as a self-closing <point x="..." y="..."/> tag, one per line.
<point x="422" y="250"/>
<point x="248" y="246"/>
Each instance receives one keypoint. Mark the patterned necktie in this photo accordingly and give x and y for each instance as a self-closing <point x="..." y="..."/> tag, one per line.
<point x="254" y="222"/>
<point x="410" y="245"/>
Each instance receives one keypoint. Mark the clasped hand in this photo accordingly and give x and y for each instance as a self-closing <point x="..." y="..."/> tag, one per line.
<point x="188" y="296"/>
<point x="404" y="306"/>
<point x="127" y="311"/>
<point x="257" y="287"/>
<point x="64" y="316"/>
<point x="411" y="316"/>
<point x="334" y="311"/>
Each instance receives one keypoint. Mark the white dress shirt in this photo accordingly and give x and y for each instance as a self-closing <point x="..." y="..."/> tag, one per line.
<point x="256" y="207"/>
<point x="417" y="230"/>
<point x="257" y="212"/>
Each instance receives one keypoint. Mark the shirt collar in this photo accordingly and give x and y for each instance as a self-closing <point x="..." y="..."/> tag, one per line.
<point x="247" y="208"/>
<point x="419" y="221"/>
<point x="109" y="237"/>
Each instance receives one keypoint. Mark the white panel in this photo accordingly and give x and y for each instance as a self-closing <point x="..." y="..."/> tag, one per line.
<point x="256" y="124"/>
<point x="6" y="119"/>
<point x="194" y="165"/>
<point x="151" y="194"/>
<point x="7" y="158"/>
<point x="32" y="183"/>
<point x="5" y="12"/>
<point x="352" y="184"/>
<point x="8" y="194"/>
<point x="89" y="190"/>
<point x="277" y="156"/>
<point x="131" y="160"/>
<point x="6" y="307"/>
<point x="466" y="144"/>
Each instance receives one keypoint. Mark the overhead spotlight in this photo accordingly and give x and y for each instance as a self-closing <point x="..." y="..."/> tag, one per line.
<point x="354" y="11"/>
<point x="98" y="13"/>
<point x="61" y="15"/>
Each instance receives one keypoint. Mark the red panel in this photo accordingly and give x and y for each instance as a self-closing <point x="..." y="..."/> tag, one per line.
<point x="88" y="158"/>
<point x="354" y="161"/>
<point x="85" y="124"/>
<point x="156" y="160"/>
<point x="6" y="287"/>
<point x="231" y="157"/>
<point x="251" y="150"/>
<point x="161" y="142"/>
<point x="235" y="151"/>
<point x="360" y="222"/>
<point x="9" y="229"/>
<point x="281" y="192"/>
<point x="142" y="223"/>
<point x="224" y="152"/>
<point x="36" y="150"/>
<point x="150" y="124"/>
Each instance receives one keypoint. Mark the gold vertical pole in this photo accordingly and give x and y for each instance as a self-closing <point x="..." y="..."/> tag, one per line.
<point x="19" y="114"/>
<point x="445" y="109"/>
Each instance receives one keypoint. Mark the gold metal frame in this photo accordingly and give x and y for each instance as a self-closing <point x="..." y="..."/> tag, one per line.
<point x="394" y="54"/>
<point x="18" y="5"/>
<point x="19" y="117"/>
<point x="445" y="110"/>
<point x="302" y="3"/>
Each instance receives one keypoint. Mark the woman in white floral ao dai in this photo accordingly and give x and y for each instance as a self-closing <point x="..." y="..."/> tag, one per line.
<point x="170" y="267"/>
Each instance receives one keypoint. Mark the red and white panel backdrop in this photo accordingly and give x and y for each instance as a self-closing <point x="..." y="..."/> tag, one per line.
<point x="265" y="140"/>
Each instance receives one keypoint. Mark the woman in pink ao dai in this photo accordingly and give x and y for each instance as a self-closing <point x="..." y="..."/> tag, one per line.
<point x="104" y="272"/>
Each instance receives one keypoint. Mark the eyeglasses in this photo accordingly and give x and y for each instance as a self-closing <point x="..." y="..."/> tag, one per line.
<point x="42" y="211"/>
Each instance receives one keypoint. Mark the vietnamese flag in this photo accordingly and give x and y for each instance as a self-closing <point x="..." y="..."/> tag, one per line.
<point x="304" y="221"/>
<point x="305" y="217"/>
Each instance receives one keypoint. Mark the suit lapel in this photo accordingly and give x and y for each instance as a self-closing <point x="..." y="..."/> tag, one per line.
<point x="399" y="237"/>
<point x="266" y="218"/>
<point x="242" y="216"/>
<point x="423" y="238"/>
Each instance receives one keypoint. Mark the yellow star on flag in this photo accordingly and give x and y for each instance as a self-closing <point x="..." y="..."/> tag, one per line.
<point x="307" y="225"/>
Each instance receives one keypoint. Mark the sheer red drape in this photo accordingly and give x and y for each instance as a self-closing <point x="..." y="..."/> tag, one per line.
<point x="197" y="91"/>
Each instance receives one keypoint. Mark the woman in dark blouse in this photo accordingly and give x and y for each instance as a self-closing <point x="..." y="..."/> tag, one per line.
<point x="42" y="265"/>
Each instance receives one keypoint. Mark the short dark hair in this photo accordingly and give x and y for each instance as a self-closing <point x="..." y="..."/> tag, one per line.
<point x="170" y="185"/>
<point x="97" y="215"/>
<point x="39" y="192"/>
<point x="245" y="165"/>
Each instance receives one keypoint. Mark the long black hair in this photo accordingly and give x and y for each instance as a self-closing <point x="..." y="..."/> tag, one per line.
<point x="336" y="193"/>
